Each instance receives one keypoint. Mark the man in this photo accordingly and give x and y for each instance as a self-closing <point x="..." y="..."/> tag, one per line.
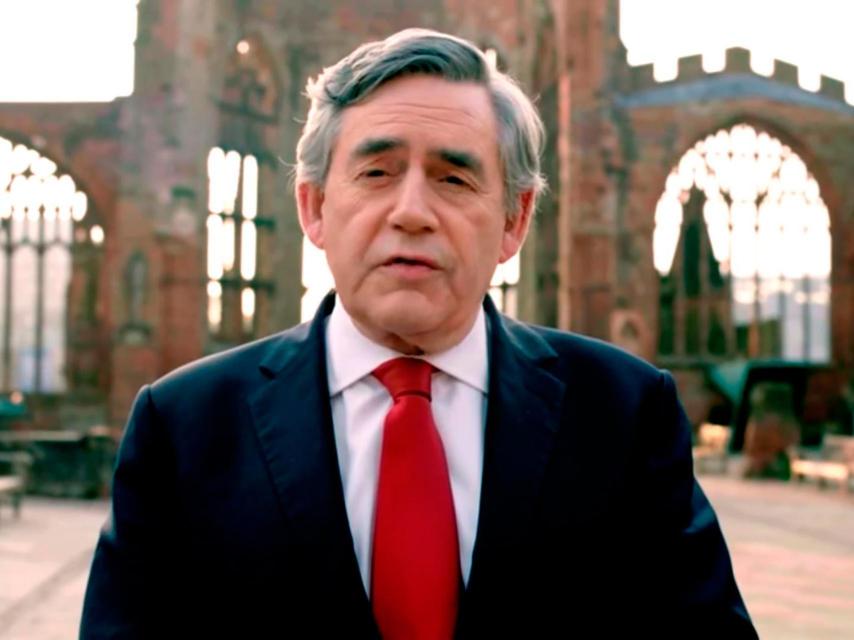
<point x="412" y="464"/>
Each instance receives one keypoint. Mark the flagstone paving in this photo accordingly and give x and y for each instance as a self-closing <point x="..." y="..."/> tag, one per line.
<point x="792" y="549"/>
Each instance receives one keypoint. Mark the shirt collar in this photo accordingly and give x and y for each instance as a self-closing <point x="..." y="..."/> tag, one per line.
<point x="350" y="356"/>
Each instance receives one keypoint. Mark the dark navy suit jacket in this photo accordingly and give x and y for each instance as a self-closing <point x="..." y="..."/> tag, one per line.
<point x="228" y="516"/>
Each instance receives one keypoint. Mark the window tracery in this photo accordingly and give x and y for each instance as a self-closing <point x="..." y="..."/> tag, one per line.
<point x="43" y="220"/>
<point x="742" y="214"/>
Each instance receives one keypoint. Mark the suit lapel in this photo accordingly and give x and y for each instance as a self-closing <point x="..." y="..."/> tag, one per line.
<point x="292" y="417"/>
<point x="293" y="420"/>
<point x="523" y="416"/>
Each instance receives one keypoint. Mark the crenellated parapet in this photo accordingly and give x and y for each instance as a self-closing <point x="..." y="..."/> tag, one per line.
<point x="737" y="61"/>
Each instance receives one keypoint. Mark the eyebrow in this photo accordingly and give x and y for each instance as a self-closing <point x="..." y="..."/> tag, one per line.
<point x="374" y="146"/>
<point x="456" y="157"/>
<point x="462" y="160"/>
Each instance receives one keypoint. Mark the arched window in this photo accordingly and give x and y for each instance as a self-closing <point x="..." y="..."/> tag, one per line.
<point x="42" y="220"/>
<point x="237" y="229"/>
<point x="251" y="83"/>
<point x="742" y="245"/>
<point x="233" y="224"/>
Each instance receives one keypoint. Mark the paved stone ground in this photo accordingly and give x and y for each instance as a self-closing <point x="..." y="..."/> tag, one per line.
<point x="44" y="564"/>
<point x="793" y="554"/>
<point x="792" y="548"/>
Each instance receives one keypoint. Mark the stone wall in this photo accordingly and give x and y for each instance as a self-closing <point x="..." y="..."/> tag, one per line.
<point x="613" y="134"/>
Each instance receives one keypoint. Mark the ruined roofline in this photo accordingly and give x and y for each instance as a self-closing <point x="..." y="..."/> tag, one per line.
<point x="737" y="62"/>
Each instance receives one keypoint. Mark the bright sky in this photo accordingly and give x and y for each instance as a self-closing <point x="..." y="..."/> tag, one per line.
<point x="813" y="34"/>
<point x="66" y="50"/>
<point x="82" y="50"/>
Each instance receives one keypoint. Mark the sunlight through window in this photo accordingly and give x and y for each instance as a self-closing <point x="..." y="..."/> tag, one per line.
<point x="769" y="234"/>
<point x="39" y="212"/>
<point x="232" y="239"/>
<point x="504" y="287"/>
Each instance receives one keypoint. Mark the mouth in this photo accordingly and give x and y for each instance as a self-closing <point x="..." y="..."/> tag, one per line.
<point x="410" y="268"/>
<point x="410" y="261"/>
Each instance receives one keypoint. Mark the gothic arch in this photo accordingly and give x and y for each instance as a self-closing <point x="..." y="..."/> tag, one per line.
<point x="52" y="246"/>
<point x="88" y="179"/>
<point x="252" y="85"/>
<point x="240" y="168"/>
<point x="743" y="247"/>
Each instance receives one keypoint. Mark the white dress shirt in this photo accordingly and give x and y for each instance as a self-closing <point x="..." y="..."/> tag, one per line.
<point x="359" y="407"/>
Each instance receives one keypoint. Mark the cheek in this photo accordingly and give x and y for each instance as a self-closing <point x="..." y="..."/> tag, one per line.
<point x="475" y="263"/>
<point x="347" y="235"/>
<point x="351" y="260"/>
<point x="487" y="240"/>
<point x="344" y="258"/>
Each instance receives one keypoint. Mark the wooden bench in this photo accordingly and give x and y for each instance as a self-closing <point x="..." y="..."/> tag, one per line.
<point x="833" y="463"/>
<point x="13" y="485"/>
<point x="710" y="452"/>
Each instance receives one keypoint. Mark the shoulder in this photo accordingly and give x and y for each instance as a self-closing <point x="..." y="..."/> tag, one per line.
<point x="605" y="385"/>
<point x="226" y="373"/>
<point x="589" y="360"/>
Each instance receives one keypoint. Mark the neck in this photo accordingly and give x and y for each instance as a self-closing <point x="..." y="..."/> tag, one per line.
<point x="417" y="344"/>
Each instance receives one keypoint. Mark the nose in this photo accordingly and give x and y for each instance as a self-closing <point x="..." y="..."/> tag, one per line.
<point x="412" y="212"/>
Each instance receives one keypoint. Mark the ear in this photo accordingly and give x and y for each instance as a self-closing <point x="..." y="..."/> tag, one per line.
<point x="516" y="227"/>
<point x="310" y="210"/>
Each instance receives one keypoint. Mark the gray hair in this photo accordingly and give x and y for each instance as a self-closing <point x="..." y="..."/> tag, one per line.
<point x="422" y="51"/>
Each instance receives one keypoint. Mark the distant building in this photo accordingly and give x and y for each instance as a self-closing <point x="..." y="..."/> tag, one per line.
<point x="692" y="221"/>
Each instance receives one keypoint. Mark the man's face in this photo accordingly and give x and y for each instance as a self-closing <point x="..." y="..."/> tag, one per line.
<point x="412" y="215"/>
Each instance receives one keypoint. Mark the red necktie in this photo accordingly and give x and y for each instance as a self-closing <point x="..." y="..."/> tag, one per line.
<point x="415" y="577"/>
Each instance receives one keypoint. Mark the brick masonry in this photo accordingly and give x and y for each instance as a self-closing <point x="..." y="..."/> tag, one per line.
<point x="142" y="161"/>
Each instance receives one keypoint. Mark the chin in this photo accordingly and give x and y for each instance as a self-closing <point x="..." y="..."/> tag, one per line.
<point x="404" y="314"/>
<point x="403" y="322"/>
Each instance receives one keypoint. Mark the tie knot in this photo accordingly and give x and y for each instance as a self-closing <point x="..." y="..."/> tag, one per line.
<point x="405" y="376"/>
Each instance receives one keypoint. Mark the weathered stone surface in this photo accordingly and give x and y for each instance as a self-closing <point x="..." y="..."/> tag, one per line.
<point x="142" y="160"/>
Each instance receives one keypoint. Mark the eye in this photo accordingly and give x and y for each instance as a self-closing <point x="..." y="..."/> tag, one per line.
<point x="374" y="173"/>
<point x="455" y="180"/>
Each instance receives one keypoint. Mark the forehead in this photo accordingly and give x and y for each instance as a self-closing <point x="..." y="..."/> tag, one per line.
<point x="426" y="113"/>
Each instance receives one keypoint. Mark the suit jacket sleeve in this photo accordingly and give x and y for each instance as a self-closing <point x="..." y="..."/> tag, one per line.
<point x="127" y="590"/>
<point x="686" y="559"/>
